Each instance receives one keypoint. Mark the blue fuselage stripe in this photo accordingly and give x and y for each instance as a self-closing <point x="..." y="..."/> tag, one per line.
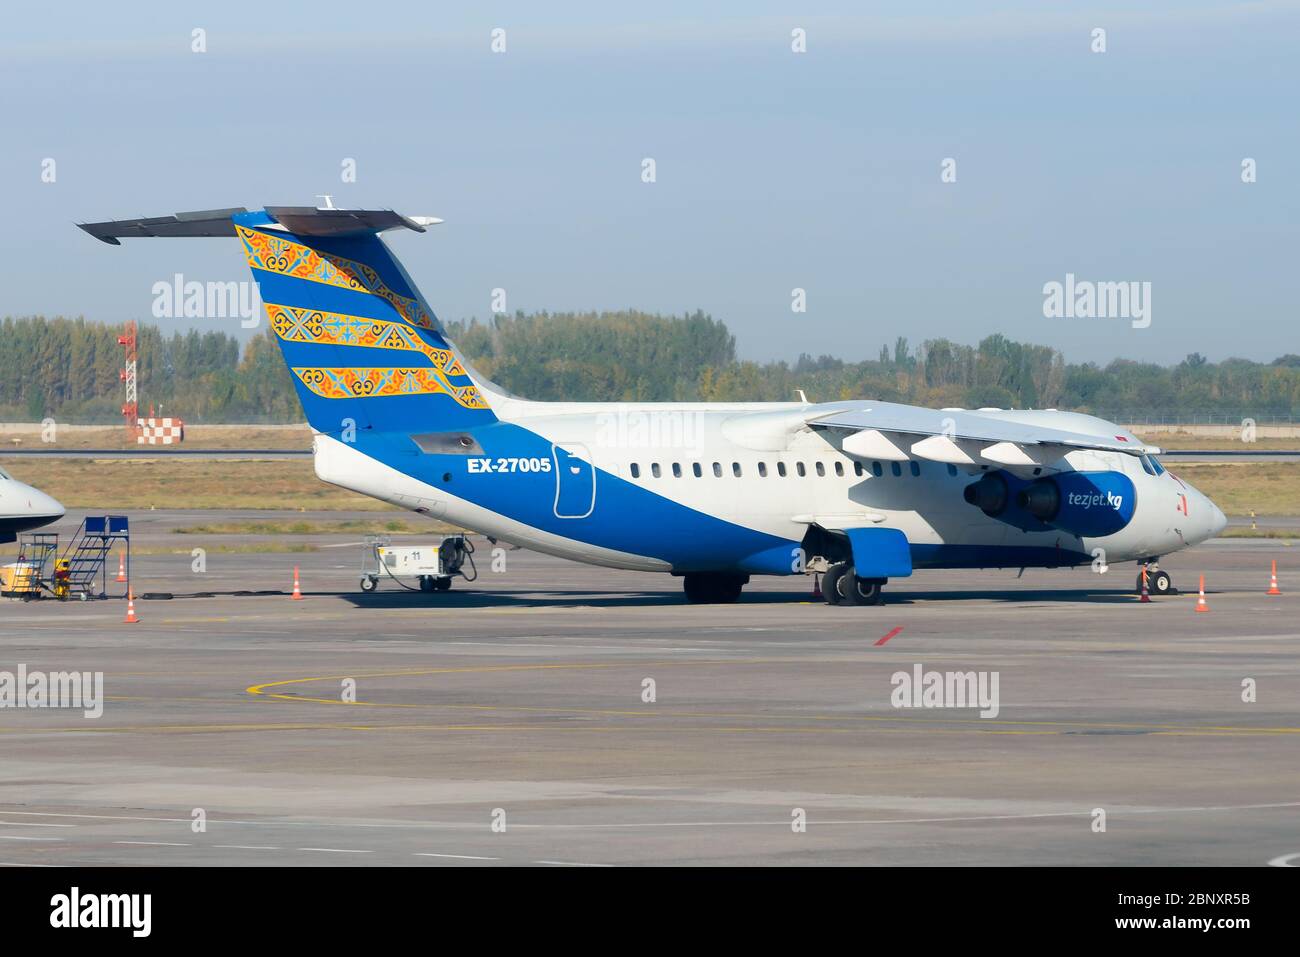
<point x="628" y="518"/>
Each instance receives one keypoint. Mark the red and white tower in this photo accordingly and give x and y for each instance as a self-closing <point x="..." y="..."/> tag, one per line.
<point x="131" y="409"/>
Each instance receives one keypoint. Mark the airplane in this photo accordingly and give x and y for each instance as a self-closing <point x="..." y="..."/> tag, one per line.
<point x="859" y="491"/>
<point x="23" y="508"/>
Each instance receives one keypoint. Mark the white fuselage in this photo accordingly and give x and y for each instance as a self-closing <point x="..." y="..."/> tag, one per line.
<point x="758" y="466"/>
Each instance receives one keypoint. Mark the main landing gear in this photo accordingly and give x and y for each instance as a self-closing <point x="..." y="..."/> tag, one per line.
<point x="842" y="586"/>
<point x="1158" y="582"/>
<point x="713" y="588"/>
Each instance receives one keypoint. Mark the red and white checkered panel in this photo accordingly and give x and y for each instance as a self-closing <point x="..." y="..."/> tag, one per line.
<point x="160" y="431"/>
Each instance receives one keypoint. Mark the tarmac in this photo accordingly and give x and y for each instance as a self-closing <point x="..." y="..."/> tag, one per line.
<point x="511" y="722"/>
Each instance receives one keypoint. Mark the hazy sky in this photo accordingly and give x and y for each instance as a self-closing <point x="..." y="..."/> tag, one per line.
<point x="775" y="170"/>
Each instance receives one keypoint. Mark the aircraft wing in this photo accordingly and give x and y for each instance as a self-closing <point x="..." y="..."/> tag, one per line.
<point x="887" y="430"/>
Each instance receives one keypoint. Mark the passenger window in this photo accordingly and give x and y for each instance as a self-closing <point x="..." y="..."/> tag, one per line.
<point x="896" y="469"/>
<point x="916" y="469"/>
<point x="839" y="469"/>
<point x="717" y="470"/>
<point x="735" y="469"/>
<point x="695" y="468"/>
<point x="952" y="469"/>
<point x="857" y="468"/>
<point x="677" y="470"/>
<point x="636" y="470"/>
<point x="798" y="467"/>
<point x="762" y="470"/>
<point x="780" y="469"/>
<point x="821" y="469"/>
<point x="654" y="469"/>
<point x="876" y="470"/>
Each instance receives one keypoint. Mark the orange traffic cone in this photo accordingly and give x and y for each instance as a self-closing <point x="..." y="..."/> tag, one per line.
<point x="1272" y="584"/>
<point x="121" y="566"/>
<point x="130" y="608"/>
<point x="297" y="592"/>
<point x="1146" y="595"/>
<point x="1200" y="598"/>
<point x="817" y="586"/>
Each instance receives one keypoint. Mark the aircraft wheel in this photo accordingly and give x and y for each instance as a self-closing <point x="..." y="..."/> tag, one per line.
<point x="1158" y="583"/>
<point x="369" y="584"/>
<point x="858" y="591"/>
<point x="729" y="589"/>
<point x="831" y="583"/>
<point x="426" y="583"/>
<point x="442" y="584"/>
<point x="707" y="589"/>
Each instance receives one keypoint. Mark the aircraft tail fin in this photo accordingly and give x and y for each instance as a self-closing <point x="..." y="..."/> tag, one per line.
<point x="363" y="346"/>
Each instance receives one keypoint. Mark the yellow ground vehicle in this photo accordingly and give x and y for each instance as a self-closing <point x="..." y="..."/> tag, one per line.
<point x="62" y="579"/>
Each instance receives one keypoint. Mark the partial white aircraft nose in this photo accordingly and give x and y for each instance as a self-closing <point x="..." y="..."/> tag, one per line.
<point x="1206" y="518"/>
<point x="1219" y="521"/>
<point x="44" y="505"/>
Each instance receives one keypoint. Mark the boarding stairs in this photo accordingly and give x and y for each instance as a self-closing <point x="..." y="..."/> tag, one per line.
<point x="88" y="551"/>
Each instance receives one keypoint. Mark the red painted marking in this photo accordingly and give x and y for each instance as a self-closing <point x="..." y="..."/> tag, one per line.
<point x="888" y="636"/>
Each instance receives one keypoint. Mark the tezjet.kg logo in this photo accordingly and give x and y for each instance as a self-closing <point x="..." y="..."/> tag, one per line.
<point x="53" y="689"/>
<point x="1085" y="500"/>
<point x="946" y="689"/>
<point x="1084" y="299"/>
<point x="75" y="909"/>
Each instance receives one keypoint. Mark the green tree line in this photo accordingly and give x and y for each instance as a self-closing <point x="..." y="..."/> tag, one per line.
<point x="69" y="369"/>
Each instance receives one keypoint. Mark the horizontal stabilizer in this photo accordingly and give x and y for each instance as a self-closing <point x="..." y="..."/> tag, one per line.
<point x="205" y="222"/>
<point x="299" y="220"/>
<point x="311" y="221"/>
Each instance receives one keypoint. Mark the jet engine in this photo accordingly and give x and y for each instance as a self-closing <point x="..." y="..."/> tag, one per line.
<point x="1086" y="504"/>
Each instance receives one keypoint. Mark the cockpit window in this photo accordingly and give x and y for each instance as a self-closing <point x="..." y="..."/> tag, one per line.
<point x="1151" y="466"/>
<point x="3" y="474"/>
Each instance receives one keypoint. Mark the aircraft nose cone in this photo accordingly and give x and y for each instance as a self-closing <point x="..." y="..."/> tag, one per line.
<point x="1218" y="521"/>
<point x="45" y="505"/>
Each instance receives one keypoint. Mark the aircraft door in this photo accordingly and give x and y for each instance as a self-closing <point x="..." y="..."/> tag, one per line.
<point x="575" y="480"/>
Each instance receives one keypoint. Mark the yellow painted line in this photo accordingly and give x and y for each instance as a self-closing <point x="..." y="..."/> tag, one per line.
<point x="517" y="728"/>
<point x="986" y="723"/>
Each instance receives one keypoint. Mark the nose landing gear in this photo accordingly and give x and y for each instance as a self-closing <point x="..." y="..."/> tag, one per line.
<point x="1158" y="581"/>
